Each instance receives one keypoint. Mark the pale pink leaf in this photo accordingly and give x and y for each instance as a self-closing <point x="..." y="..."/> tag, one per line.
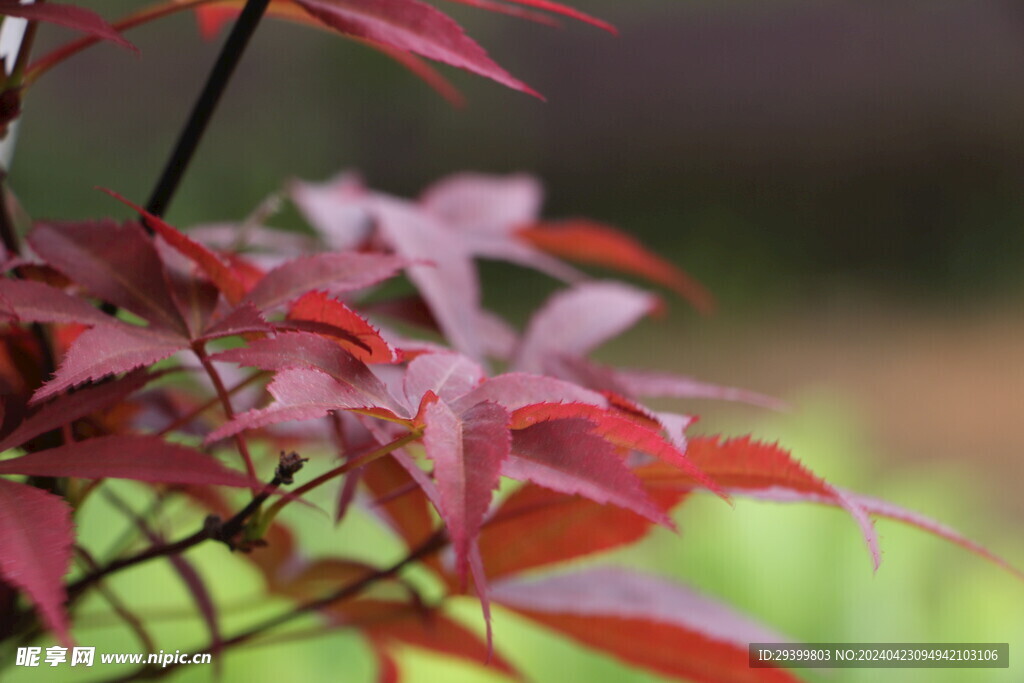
<point x="647" y="621"/>
<point x="516" y="390"/>
<point x="447" y="280"/>
<point x="497" y="337"/>
<point x="259" y="242"/>
<point x="675" y="426"/>
<point x="884" y="508"/>
<point x="487" y="210"/>
<point x="449" y="375"/>
<point x="333" y="272"/>
<point x="36" y="538"/>
<point x="576" y="321"/>
<point x="646" y="384"/>
<point x="628" y="594"/>
<point x="640" y="383"/>
<point x="474" y="202"/>
<point x="334" y="210"/>
<point x="507" y="248"/>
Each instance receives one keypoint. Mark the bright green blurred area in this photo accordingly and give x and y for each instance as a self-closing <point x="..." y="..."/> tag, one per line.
<point x="800" y="157"/>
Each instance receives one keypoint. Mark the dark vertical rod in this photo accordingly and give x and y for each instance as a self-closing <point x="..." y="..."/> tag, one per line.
<point x="202" y="112"/>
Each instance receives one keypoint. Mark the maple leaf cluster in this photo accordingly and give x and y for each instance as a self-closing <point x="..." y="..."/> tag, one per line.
<point x="497" y="456"/>
<point x="416" y="407"/>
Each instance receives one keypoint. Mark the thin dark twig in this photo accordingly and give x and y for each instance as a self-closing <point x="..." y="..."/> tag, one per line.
<point x="225" y="401"/>
<point x="204" y="107"/>
<point x="216" y="400"/>
<point x="213" y="528"/>
<point x="431" y="545"/>
<point x="437" y="541"/>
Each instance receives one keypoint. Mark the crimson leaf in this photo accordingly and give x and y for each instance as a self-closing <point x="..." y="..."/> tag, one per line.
<point x="587" y="242"/>
<point x="559" y="527"/>
<point x="75" y="406"/>
<point x="115" y="261"/>
<point x="618" y="430"/>
<point x="749" y="467"/>
<point x="142" y="458"/>
<point x="103" y="351"/>
<point x="768" y="472"/>
<point x="69" y="16"/>
<point x="243" y="319"/>
<point x="304" y="350"/>
<point x="211" y="264"/>
<point x="344" y="324"/>
<point x="36" y="537"/>
<point x="566" y="456"/>
<point x="558" y="8"/>
<point x="411" y="26"/>
<point x="29" y="301"/>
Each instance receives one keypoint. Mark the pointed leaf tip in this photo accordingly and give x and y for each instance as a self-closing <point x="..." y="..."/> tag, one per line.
<point x="412" y="26"/>
<point x="211" y="264"/>
<point x="468" y="451"/>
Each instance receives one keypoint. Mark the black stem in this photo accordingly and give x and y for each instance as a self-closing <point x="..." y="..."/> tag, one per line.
<point x="8" y="234"/>
<point x="9" y="238"/>
<point x="204" y="107"/>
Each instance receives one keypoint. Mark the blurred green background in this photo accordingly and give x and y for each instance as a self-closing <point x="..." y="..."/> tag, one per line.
<point x="844" y="176"/>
